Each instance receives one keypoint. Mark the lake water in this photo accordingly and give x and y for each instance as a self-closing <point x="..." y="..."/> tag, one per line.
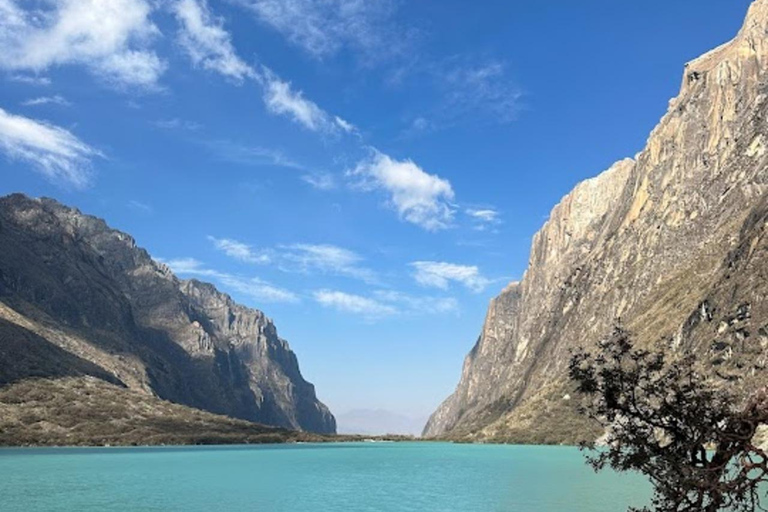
<point x="381" y="477"/>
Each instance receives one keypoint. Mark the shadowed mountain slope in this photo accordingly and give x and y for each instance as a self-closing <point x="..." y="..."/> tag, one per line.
<point x="78" y="298"/>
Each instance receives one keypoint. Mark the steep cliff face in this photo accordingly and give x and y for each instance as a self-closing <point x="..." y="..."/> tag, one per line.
<point x="670" y="243"/>
<point x="77" y="287"/>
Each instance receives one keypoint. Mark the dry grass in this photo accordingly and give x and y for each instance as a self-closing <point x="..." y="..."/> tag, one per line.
<point x="86" y="411"/>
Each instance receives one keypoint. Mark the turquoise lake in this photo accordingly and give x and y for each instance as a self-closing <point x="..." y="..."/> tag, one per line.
<point x="381" y="477"/>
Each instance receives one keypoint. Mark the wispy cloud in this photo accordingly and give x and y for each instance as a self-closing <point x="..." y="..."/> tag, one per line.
<point x="418" y="125"/>
<point x="177" y="124"/>
<point x="468" y="85"/>
<point x="409" y="304"/>
<point x="252" y="287"/>
<point x="46" y="100"/>
<point x="111" y="39"/>
<point x="466" y="89"/>
<point x="132" y="69"/>
<point x="326" y="259"/>
<point x="239" y="251"/>
<point x="207" y="44"/>
<point x="323" y="28"/>
<point x="484" y="218"/>
<point x="344" y="125"/>
<point x="320" y="181"/>
<point x="35" y="80"/>
<point x="300" y="258"/>
<point x="140" y="207"/>
<point x="439" y="274"/>
<point x="479" y="88"/>
<point x="51" y="150"/>
<point x="418" y="197"/>
<point x="281" y="98"/>
<point x="483" y="214"/>
<point x="385" y="303"/>
<point x="235" y="152"/>
<point x="356" y="304"/>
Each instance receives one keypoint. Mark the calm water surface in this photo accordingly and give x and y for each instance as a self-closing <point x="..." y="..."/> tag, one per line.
<point x="381" y="477"/>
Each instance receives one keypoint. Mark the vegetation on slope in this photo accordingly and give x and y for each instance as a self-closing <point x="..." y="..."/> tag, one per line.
<point x="666" y="419"/>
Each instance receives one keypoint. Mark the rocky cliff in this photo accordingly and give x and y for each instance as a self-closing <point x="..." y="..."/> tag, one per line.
<point x="671" y="243"/>
<point x="80" y="299"/>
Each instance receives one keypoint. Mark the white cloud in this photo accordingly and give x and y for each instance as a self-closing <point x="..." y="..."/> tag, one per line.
<point x="484" y="218"/>
<point x="51" y="150"/>
<point x="113" y="38"/>
<point x="418" y="197"/>
<point x="280" y="98"/>
<point x="252" y="287"/>
<point x="110" y="38"/>
<point x="323" y="27"/>
<point x="207" y="44"/>
<point x="45" y="100"/>
<point x="483" y="214"/>
<point x="239" y="250"/>
<point x="320" y="181"/>
<point x="346" y="126"/>
<point x="351" y="303"/>
<point x="439" y="274"/>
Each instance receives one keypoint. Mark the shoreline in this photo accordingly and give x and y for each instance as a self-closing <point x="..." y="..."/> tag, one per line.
<point x="344" y="440"/>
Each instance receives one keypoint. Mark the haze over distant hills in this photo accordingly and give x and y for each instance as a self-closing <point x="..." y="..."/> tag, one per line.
<point x="378" y="422"/>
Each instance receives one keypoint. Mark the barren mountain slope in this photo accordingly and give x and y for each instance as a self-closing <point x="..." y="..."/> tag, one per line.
<point x="670" y="243"/>
<point x="78" y="298"/>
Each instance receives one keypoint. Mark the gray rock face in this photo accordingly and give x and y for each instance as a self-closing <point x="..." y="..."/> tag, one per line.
<point x="671" y="243"/>
<point x="69" y="281"/>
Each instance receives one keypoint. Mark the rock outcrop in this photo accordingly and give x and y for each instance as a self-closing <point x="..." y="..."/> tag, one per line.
<point x="671" y="243"/>
<point x="80" y="299"/>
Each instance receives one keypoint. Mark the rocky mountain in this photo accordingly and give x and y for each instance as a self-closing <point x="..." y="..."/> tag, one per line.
<point x="80" y="299"/>
<point x="671" y="243"/>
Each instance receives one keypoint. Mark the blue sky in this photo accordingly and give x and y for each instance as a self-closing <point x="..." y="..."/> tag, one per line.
<point x="369" y="173"/>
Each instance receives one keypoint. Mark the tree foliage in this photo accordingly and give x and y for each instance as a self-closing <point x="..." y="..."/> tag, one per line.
<point x="668" y="421"/>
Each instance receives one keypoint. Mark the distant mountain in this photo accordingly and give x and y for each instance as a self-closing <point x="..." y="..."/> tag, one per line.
<point x="378" y="422"/>
<point x="78" y="298"/>
<point x="672" y="243"/>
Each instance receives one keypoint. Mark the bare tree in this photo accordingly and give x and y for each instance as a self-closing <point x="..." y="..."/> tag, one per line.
<point x="666" y="420"/>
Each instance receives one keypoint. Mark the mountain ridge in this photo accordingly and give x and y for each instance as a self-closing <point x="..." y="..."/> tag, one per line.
<point x="90" y="291"/>
<point x="668" y="243"/>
